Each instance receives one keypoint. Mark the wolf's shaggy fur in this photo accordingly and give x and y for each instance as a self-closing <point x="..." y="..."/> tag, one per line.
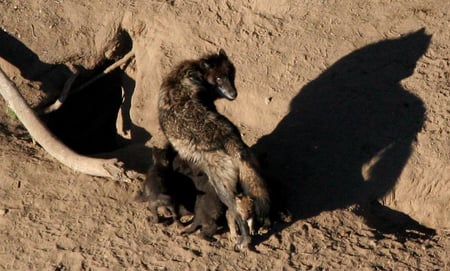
<point x="202" y="136"/>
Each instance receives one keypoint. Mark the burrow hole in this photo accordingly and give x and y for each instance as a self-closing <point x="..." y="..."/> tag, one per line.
<point x="87" y="121"/>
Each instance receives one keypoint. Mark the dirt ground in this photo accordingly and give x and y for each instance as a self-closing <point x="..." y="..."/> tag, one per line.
<point x="347" y="104"/>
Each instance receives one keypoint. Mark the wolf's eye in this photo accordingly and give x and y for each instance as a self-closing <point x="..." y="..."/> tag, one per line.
<point x="218" y="79"/>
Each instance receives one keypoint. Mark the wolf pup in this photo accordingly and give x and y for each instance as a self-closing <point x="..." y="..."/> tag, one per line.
<point x="202" y="136"/>
<point x="208" y="207"/>
<point x="170" y="195"/>
<point x="245" y="209"/>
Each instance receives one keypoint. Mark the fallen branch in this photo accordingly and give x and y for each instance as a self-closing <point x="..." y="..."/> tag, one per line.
<point x="68" y="85"/>
<point x="64" y="93"/>
<point x="110" y="168"/>
<point x="109" y="69"/>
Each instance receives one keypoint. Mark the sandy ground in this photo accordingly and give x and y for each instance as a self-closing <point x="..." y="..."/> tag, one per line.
<point x="346" y="103"/>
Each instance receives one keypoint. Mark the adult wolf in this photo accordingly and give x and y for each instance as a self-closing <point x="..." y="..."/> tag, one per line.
<point x="202" y="136"/>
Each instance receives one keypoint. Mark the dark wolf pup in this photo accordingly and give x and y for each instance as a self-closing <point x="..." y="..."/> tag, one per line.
<point x="208" y="207"/>
<point x="202" y="136"/>
<point x="171" y="195"/>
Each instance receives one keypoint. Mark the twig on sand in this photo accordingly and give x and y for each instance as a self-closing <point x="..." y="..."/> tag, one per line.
<point x="110" y="168"/>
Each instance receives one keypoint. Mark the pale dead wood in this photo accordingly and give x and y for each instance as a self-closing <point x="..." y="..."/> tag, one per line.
<point x="64" y="93"/>
<point x="110" y="168"/>
<point x="68" y="85"/>
<point x="109" y="69"/>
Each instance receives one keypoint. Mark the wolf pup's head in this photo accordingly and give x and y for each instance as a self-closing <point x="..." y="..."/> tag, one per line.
<point x="163" y="157"/>
<point x="219" y="73"/>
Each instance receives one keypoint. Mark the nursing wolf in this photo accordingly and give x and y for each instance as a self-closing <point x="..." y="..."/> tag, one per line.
<point x="204" y="137"/>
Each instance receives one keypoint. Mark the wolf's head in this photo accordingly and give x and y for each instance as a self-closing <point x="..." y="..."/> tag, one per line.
<point x="163" y="157"/>
<point x="219" y="72"/>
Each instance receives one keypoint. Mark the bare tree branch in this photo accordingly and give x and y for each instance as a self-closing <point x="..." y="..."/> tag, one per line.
<point x="68" y="85"/>
<point x="109" y="69"/>
<point x="109" y="168"/>
<point x="64" y="93"/>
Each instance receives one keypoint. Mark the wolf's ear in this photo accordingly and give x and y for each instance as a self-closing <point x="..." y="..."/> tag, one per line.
<point x="222" y="52"/>
<point x="204" y="64"/>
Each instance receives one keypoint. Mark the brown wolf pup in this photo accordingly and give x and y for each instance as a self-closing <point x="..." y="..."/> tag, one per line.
<point x="202" y="136"/>
<point x="245" y="209"/>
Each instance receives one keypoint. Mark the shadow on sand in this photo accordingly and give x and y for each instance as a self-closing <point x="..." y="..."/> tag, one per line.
<point x="353" y="114"/>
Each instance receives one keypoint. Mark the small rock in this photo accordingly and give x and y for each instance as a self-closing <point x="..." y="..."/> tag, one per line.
<point x="65" y="244"/>
<point x="4" y="211"/>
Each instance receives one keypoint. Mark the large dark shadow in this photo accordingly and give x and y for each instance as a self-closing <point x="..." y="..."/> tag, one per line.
<point x="86" y="122"/>
<point x="354" y="113"/>
<point x="51" y="76"/>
